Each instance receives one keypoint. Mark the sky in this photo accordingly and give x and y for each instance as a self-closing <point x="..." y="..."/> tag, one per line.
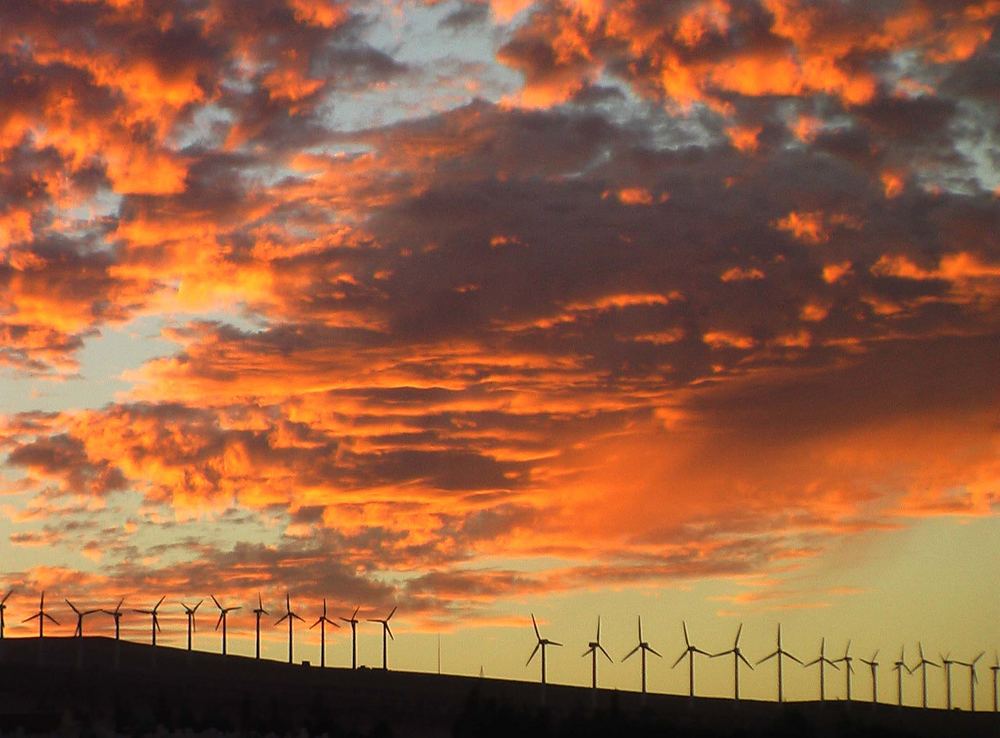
<point x="683" y="310"/>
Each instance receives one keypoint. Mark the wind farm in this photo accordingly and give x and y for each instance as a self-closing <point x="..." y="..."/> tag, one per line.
<point x="237" y="692"/>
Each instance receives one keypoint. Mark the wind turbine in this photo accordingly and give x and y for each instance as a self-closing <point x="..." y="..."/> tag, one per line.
<point x="689" y="651"/>
<point x="41" y="615"/>
<point x="642" y="648"/>
<point x="822" y="661"/>
<point x="290" y="617"/>
<point x="321" y="621"/>
<point x="947" y="662"/>
<point x="779" y="653"/>
<point x="542" y="643"/>
<point x="258" y="611"/>
<point x="223" y="615"/>
<point x="3" y="606"/>
<point x="153" y="614"/>
<point x="592" y="648"/>
<point x="995" y="668"/>
<point x="847" y="659"/>
<point x="190" y="611"/>
<point x="737" y="657"/>
<point x="78" y="633"/>
<point x="898" y="667"/>
<point x="353" y="620"/>
<point x="973" y="679"/>
<point x="923" y="664"/>
<point x="117" y="615"/>
<point x="385" y="643"/>
<point x="873" y="665"/>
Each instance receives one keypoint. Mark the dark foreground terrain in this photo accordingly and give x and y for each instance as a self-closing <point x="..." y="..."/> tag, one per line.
<point x="99" y="687"/>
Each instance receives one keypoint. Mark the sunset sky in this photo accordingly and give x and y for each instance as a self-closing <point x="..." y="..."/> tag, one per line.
<point x="687" y="310"/>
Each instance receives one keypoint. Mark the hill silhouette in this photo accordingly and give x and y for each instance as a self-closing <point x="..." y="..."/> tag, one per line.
<point x="96" y="686"/>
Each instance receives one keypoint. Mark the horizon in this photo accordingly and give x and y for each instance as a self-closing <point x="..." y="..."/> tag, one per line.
<point x="501" y="309"/>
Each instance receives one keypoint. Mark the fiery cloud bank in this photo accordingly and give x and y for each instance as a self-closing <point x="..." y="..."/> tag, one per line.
<point x="470" y="302"/>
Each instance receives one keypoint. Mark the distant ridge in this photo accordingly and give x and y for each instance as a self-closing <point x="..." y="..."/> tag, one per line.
<point x="74" y="685"/>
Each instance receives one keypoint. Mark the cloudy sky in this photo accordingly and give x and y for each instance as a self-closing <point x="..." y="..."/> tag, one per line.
<point x="683" y="309"/>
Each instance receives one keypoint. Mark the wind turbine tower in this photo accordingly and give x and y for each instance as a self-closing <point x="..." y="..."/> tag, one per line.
<point x="290" y="617"/>
<point x="995" y="668"/>
<point x="923" y="664"/>
<point x="873" y="665"/>
<point x="737" y="657"/>
<point x="592" y="648"/>
<point x="540" y="645"/>
<point x="78" y="633"/>
<point x="899" y="667"/>
<point x="353" y="620"/>
<point x="190" y="611"/>
<point x="258" y="611"/>
<point x="3" y="606"/>
<point x="153" y="614"/>
<point x="642" y="648"/>
<point x="42" y="616"/>
<point x="385" y="631"/>
<point x="822" y="661"/>
<point x="779" y="654"/>
<point x="321" y="621"/>
<point x="849" y="670"/>
<point x="223" y="615"/>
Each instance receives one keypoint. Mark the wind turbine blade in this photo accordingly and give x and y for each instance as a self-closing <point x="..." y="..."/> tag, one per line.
<point x="315" y="624"/>
<point x="195" y="609"/>
<point x="606" y="654"/>
<point x="698" y="650"/>
<point x="535" y="626"/>
<point x="686" y="641"/>
<point x="219" y="621"/>
<point x="554" y="643"/>
<point x="739" y="630"/>
<point x="744" y="659"/>
<point x="814" y="661"/>
<point x="654" y="651"/>
<point x="630" y="654"/>
<point x="4" y="600"/>
<point x="722" y="653"/>
<point x="389" y="616"/>
<point x="50" y="618"/>
<point x="981" y="654"/>
<point x="639" y="621"/>
<point x="120" y="603"/>
<point x="36" y="615"/>
<point x="260" y="602"/>
<point x="297" y="617"/>
<point x="72" y="607"/>
<point x="537" y="646"/>
<point x="599" y="630"/>
<point x="767" y="658"/>
<point x="216" y="602"/>
<point x="793" y="658"/>
<point x="588" y="651"/>
<point x="389" y="631"/>
<point x="160" y="602"/>
<point x="282" y="618"/>
<point x="679" y="659"/>
<point x="875" y="655"/>
<point x="355" y="615"/>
